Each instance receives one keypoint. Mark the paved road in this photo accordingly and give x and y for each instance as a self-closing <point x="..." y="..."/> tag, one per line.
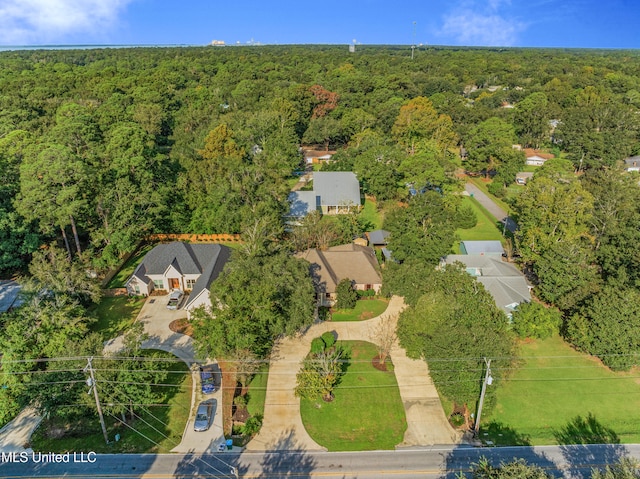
<point x="571" y="462"/>
<point x="490" y="206"/>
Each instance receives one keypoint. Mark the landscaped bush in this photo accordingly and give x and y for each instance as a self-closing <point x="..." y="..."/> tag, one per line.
<point x="317" y="345"/>
<point x="329" y="339"/>
<point x="466" y="217"/>
<point x="253" y="425"/>
<point x="370" y="293"/>
<point x="323" y="313"/>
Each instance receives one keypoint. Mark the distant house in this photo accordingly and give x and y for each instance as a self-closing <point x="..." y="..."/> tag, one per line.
<point x="188" y="267"/>
<point x="536" y="157"/>
<point x="329" y="267"/>
<point x="378" y="238"/>
<point x="632" y="163"/>
<point x="502" y="280"/>
<point x="522" y="177"/>
<point x="312" y="156"/>
<point x="9" y="295"/>
<point x="490" y="247"/>
<point x="334" y="192"/>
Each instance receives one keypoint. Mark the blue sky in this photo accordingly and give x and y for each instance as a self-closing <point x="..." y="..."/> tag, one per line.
<point x="531" y="23"/>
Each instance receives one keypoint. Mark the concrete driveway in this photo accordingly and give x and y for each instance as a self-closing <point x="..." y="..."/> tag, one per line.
<point x="156" y="319"/>
<point x="426" y="421"/>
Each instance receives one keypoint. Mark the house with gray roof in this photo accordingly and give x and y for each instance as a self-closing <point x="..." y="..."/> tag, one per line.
<point x="9" y="295"/>
<point x="349" y="261"/>
<point x="187" y="267"/>
<point x="502" y="280"/>
<point x="378" y="238"/>
<point x="334" y="192"/>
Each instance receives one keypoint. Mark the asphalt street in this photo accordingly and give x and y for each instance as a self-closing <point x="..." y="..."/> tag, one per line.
<point x="573" y="462"/>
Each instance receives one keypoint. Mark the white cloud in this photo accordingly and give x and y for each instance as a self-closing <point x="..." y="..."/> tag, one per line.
<point x="481" y="24"/>
<point x="43" y="21"/>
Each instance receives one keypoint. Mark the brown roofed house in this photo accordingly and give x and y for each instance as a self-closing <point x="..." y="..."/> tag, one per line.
<point x="536" y="157"/>
<point x="329" y="267"/>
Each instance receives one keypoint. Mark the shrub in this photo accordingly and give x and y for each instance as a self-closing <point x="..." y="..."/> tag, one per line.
<point x="253" y="425"/>
<point x="240" y="401"/>
<point x="366" y="294"/>
<point x="323" y="313"/>
<point x="317" y="345"/>
<point x="466" y="217"/>
<point x="497" y="189"/>
<point x="329" y="339"/>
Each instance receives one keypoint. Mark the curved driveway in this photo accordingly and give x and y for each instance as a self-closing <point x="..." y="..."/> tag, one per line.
<point x="283" y="429"/>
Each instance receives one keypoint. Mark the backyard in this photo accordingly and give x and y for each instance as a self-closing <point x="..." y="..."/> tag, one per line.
<point x="553" y="387"/>
<point x="367" y="412"/>
<point x="485" y="229"/>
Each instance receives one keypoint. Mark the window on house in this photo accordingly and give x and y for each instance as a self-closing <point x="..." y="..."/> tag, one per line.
<point x="328" y="295"/>
<point x="191" y="283"/>
<point x="158" y="284"/>
<point x="367" y="287"/>
<point x="136" y="288"/>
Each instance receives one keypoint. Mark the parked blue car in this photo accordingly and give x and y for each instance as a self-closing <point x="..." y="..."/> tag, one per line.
<point x="207" y="379"/>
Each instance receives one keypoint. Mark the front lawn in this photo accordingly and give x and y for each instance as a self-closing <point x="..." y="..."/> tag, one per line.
<point x="163" y="425"/>
<point x="367" y="412"/>
<point x="555" y="385"/>
<point x="116" y="315"/>
<point x="365" y="309"/>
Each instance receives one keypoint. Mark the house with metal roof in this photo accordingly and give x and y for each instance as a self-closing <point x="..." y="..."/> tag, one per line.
<point x="334" y="192"/>
<point x="488" y="247"/>
<point x="349" y="261"/>
<point x="502" y="280"/>
<point x="187" y="267"/>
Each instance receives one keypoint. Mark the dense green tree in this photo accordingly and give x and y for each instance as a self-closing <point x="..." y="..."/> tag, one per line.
<point x="532" y="120"/>
<point x="259" y="298"/>
<point x="489" y="145"/>
<point x="516" y="469"/>
<point x="453" y="326"/>
<point x="534" y="320"/>
<point x="421" y="231"/>
<point x="607" y="327"/>
<point x="346" y="295"/>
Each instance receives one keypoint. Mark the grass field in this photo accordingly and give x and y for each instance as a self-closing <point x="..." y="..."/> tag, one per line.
<point x="162" y="425"/>
<point x="116" y="315"/>
<point x="370" y="214"/>
<point x="367" y="412"/>
<point x="365" y="309"/>
<point x="554" y="386"/>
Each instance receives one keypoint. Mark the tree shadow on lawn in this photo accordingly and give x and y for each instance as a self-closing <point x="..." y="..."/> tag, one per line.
<point x="577" y="438"/>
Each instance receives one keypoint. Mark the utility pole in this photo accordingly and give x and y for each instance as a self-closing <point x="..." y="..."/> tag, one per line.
<point x="487" y="381"/>
<point x="92" y="384"/>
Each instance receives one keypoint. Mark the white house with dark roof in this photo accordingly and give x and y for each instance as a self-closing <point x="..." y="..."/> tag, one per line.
<point x="502" y="280"/>
<point x="334" y="192"/>
<point x="349" y="261"/>
<point x="188" y="267"/>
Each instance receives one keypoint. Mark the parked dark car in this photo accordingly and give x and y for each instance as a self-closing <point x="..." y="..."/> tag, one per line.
<point x="205" y="414"/>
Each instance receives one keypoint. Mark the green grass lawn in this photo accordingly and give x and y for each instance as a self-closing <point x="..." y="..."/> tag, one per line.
<point x="365" y="309"/>
<point x="162" y="425"/>
<point x="554" y="386"/>
<point x="486" y="229"/>
<point x="116" y="315"/>
<point x="482" y="184"/>
<point x="258" y="391"/>
<point x="370" y="214"/>
<point x="367" y="412"/>
<point x="128" y="267"/>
